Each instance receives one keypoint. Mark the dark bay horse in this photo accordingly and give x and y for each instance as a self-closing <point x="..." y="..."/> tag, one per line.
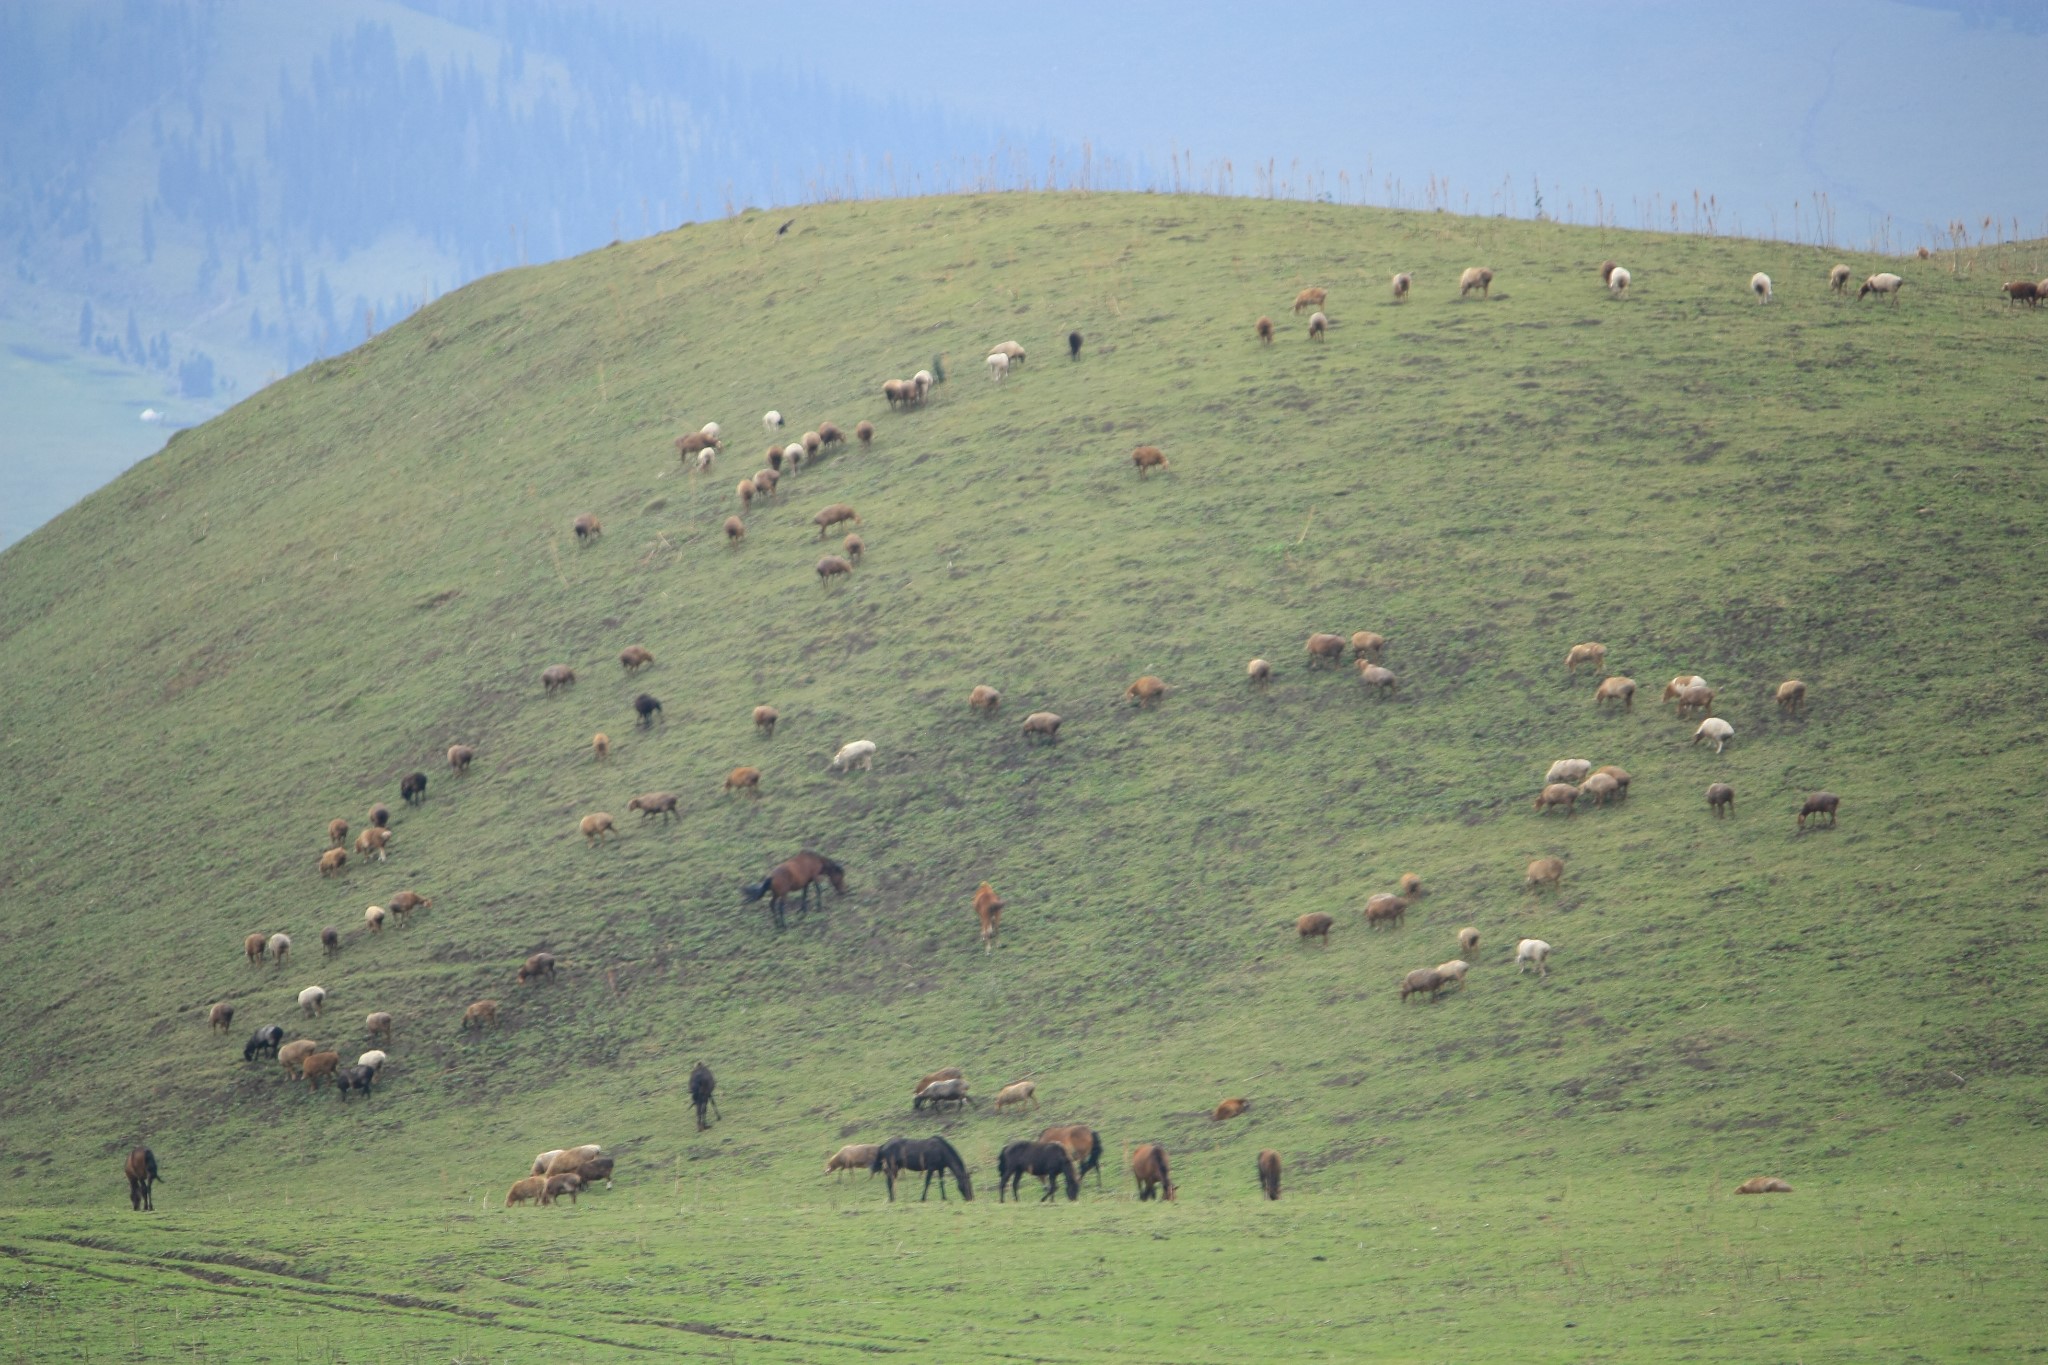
<point x="702" y="1083"/>
<point x="1149" y="1165"/>
<point x="142" y="1173"/>
<point x="932" y="1155"/>
<point x="1046" y="1160"/>
<point x="800" y="874"/>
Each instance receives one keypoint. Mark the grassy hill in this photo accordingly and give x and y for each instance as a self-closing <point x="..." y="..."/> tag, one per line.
<point x="270" y="622"/>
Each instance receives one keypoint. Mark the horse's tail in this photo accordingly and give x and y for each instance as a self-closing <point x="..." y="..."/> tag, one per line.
<point x="758" y="889"/>
<point x="149" y="1160"/>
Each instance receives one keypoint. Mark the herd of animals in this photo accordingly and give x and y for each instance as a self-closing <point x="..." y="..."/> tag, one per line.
<point x="1063" y="1153"/>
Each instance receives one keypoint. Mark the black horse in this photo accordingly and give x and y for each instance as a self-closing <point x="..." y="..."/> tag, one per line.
<point x="1046" y="1160"/>
<point x="142" y="1173"/>
<point x="265" y="1039"/>
<point x="933" y="1156"/>
<point x="799" y="874"/>
<point x="702" y="1083"/>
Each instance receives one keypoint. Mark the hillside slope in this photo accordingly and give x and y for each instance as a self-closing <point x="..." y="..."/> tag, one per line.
<point x="272" y="621"/>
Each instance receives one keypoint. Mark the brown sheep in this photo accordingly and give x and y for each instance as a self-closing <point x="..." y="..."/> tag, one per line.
<point x="320" y="1065"/>
<point x="1146" y="691"/>
<point x="832" y="516"/>
<point x="1259" y="672"/>
<point x="1403" y="282"/>
<point x="1385" y="910"/>
<point x="221" y="1016"/>
<point x="1617" y="688"/>
<point x="568" y="1182"/>
<point x="985" y="699"/>
<point x="1315" y="925"/>
<point x="1763" y="1184"/>
<point x="2018" y="291"/>
<point x="858" y="1156"/>
<point x="831" y="567"/>
<point x="1229" y="1109"/>
<point x="1366" y="644"/>
<point x="330" y="942"/>
<point x="633" y="658"/>
<point x="379" y="1025"/>
<point x="1269" y="1173"/>
<point x="747" y="780"/>
<point x="1018" y="1094"/>
<point x="292" y="1055"/>
<point x="380" y="815"/>
<point x="1147" y="459"/>
<point x="595" y="826"/>
<point x="1700" y="699"/>
<point x="1468" y="939"/>
<point x="689" y="445"/>
<point x="829" y="434"/>
<point x="1792" y="696"/>
<point x="764" y="721"/>
<point x="1311" y="297"/>
<point x="1326" y="648"/>
<point x="460" y="756"/>
<point x="557" y="677"/>
<point x="765" y="483"/>
<point x="1817" y="805"/>
<point x="1543" y="870"/>
<point x="1558" y="794"/>
<point x="735" y="532"/>
<point x="538" y="966"/>
<point x="481" y="1015"/>
<point x="865" y="433"/>
<point x="1591" y="653"/>
<point x="1680" y="683"/>
<point x="405" y="902"/>
<point x="534" y="1187"/>
<point x="1043" y="724"/>
<point x="813" y="443"/>
<point x="337" y="833"/>
<point x="1721" y="799"/>
<point x="1620" y="776"/>
<point x="1600" y="787"/>
<point x="654" y="803"/>
<point x="745" y="491"/>
<point x="854" y="547"/>
<point x="376" y="839"/>
<point x="1266" y="331"/>
<point x="333" y="862"/>
<point x="1476" y="277"/>
<point x="594" y="1169"/>
<point x="600" y="746"/>
<point x="1380" y="680"/>
<point x="988" y="908"/>
<point x="253" y="946"/>
<point x="1424" y="979"/>
<point x="1318" y="327"/>
<point x="1411" y="886"/>
<point x="587" y="529"/>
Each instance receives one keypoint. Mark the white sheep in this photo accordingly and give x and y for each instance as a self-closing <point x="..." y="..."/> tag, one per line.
<point x="373" y="1059"/>
<point x="374" y="917"/>
<point x="704" y="460"/>
<point x="709" y="429"/>
<point x="1403" y="282"/>
<point x="1677" y="685"/>
<point x="1455" y="969"/>
<point x="793" y="453"/>
<point x="922" y="383"/>
<point x="312" y="1001"/>
<point x="1013" y="351"/>
<point x="1886" y="284"/>
<point x="279" y="947"/>
<point x="1716" y="729"/>
<point x="1568" y="770"/>
<point x="1532" y="950"/>
<point x="771" y="422"/>
<point x="566" y="1158"/>
<point x="1618" y="281"/>
<point x="998" y="367"/>
<point x="861" y="752"/>
<point x="1760" y="285"/>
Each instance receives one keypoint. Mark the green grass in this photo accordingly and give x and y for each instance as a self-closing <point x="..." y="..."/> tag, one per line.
<point x="273" y="620"/>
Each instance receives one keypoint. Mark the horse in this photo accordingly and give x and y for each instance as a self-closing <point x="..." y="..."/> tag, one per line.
<point x="1269" y="1173"/>
<point x="1148" y="1165"/>
<point x="932" y="1155"/>
<point x="1046" y="1160"/>
<point x="1083" y="1144"/>
<point x="142" y="1173"/>
<point x="799" y="874"/>
<point x="702" y="1083"/>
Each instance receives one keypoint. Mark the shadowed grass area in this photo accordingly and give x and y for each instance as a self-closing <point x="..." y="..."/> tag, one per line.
<point x="271" y="622"/>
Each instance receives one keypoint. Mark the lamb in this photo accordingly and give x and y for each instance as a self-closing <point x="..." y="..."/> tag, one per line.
<point x="855" y="1156"/>
<point x="1558" y="794"/>
<point x="481" y="1015"/>
<point x="1411" y="886"/>
<point x="865" y="433"/>
<point x="601" y="746"/>
<point x="1043" y="725"/>
<point x="1721" y="799"/>
<point x="1147" y="459"/>
<point x="312" y="1001"/>
<point x="1616" y="688"/>
<point x="832" y="516"/>
<point x="1315" y="925"/>
<point x="1600" y="787"/>
<point x="1791" y="695"/>
<point x="535" y="967"/>
<point x="332" y="862"/>
<point x="985" y="699"/>
<point x="1402" y="283"/>
<point x="1716" y="729"/>
<point x="1760" y="285"/>
<point x="337" y="833"/>
<point x="1308" y="298"/>
<point x="854" y="547"/>
<point x="595" y="826"/>
<point x="379" y="1025"/>
<point x="1838" y="279"/>
<point x="1618" y="282"/>
<point x="1468" y="940"/>
<point x="654" y="803"/>
<point x="376" y="839"/>
<point x="831" y="567"/>
<point x="764" y="721"/>
<point x="771" y="422"/>
<point x="1379" y="679"/>
<point x="1532" y="950"/>
<point x="860" y="753"/>
<point x="1591" y="653"/>
<point x="221" y="1016"/>
<point x="1544" y="870"/>
<point x="735" y="532"/>
<point x="1146" y="691"/>
<point x="374" y="917"/>
<point x="745" y="492"/>
<point x="1817" y="805"/>
<point x="1021" y="1093"/>
<point x="557" y="677"/>
<point x="1327" y="648"/>
<point x="1569" y="770"/>
<point x="1266" y="331"/>
<point x="1386" y="910"/>
<point x="1367" y="645"/>
<point x="280" y="947"/>
<point x="705" y="459"/>
<point x="1700" y="699"/>
<point x="460" y="756"/>
<point x="1229" y="1109"/>
<point x="1423" y="979"/>
<point x="1259" y="672"/>
<point x="747" y="780"/>
<point x="1886" y="284"/>
<point x="1477" y="277"/>
<point x="1073" y="345"/>
<point x="1763" y="1184"/>
<point x="1318" y="325"/>
<point x="587" y="529"/>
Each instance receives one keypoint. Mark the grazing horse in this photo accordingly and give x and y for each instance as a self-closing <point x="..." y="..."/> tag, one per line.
<point x="799" y="874"/>
<point x="988" y="906"/>
<point x="932" y="1155"/>
<point x="1269" y="1173"/>
<point x="1083" y="1144"/>
<point x="142" y="1173"/>
<point x="1046" y="1160"/>
<point x="702" y="1083"/>
<point x="1148" y="1165"/>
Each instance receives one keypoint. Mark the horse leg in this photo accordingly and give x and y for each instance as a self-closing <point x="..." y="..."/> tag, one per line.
<point x="928" y="1188"/>
<point x="713" y="1102"/>
<point x="135" y="1193"/>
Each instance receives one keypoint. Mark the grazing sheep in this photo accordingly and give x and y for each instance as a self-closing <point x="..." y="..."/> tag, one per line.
<point x="1022" y="1093"/>
<point x="647" y="707"/>
<point x="735" y="532"/>
<point x="1476" y="277"/>
<point x="944" y="1073"/>
<point x="292" y="1056"/>
<point x="568" y="1183"/>
<point x="1690" y="699"/>
<point x="481" y="1015"/>
<point x="1229" y="1109"/>
<point x="812" y="443"/>
<point x="921" y="384"/>
<point x="405" y="902"/>
<point x="1266" y="331"/>
<point x="831" y="567"/>
<point x="1044" y="725"/>
<point x="1259" y="672"/>
<point x="595" y="826"/>
<point x="221" y="1016"/>
<point x="1532" y="950"/>
<point x="1760" y="285"/>
<point x="793" y="456"/>
<point x="855" y="1156"/>
<point x="534" y="1187"/>
<point x="557" y="677"/>
<point x="854" y="547"/>
<point x="860" y="753"/>
<point x="1385" y="910"/>
<point x="1716" y="729"/>
<point x="253" y="947"/>
<point x="985" y="699"/>
<point x="705" y="459"/>
<point x="380" y="815"/>
<point x="595" y="1169"/>
<point x="374" y="1058"/>
<point x="1423" y="979"/>
<point x="1569" y="770"/>
<point x="2021" y="291"/>
<point x="1601" y="788"/>
<point x="376" y="839"/>
<point x="1073" y="345"/>
<point x="1147" y="459"/>
<point x="1558" y="794"/>
<point x="312" y="1001"/>
<point x="1618" y="282"/>
<point x="1591" y="653"/>
<point x="998" y="368"/>
<point x="460" y="756"/>
<point x="413" y="788"/>
<point x="1269" y="1173"/>
<point x="1678" y="685"/>
<point x="633" y="658"/>
<point x="1326" y="648"/>
<point x="1146" y="691"/>
<point x="1543" y="870"/>
<point x="337" y="833"/>
<point x="745" y="491"/>
<point x="1886" y="285"/>
<point x="374" y="917"/>
<point x="1317" y="326"/>
<point x="587" y="529"/>
<point x="1763" y="1184"/>
<point x="1817" y="805"/>
<point x="1468" y="940"/>
<point x="1315" y="925"/>
<point x="896" y="391"/>
<point x="379" y="1025"/>
<point x="1411" y="886"/>
<point x="1620" y="776"/>
<point x="319" y="1066"/>
<point x="1838" y="279"/>
<point x="265" y="1039"/>
<point x="601" y="746"/>
<point x="771" y="422"/>
<point x="864" y="432"/>
<point x="279" y="947"/>
<point x="333" y="862"/>
<point x="1366" y="644"/>
<point x="764" y="721"/>
<point x="654" y="803"/>
<point x="832" y="516"/>
<point x="535" y="967"/>
<point x="1454" y="970"/>
<point x="1402" y="283"/>
<point x="357" y="1077"/>
<point x="1721" y="799"/>
<point x="1308" y="298"/>
<point x="1792" y="696"/>
<point x="696" y="443"/>
<point x="1379" y="679"/>
<point x="829" y="434"/>
<point x="711" y="429"/>
<point x="747" y="780"/>
<point x="1616" y="688"/>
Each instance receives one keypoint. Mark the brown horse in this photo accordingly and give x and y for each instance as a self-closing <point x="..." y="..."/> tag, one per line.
<point x="1148" y="1164"/>
<point x="989" y="907"/>
<point x="1269" y="1173"/>
<point x="799" y="874"/>
<point x="142" y="1173"/>
<point x="1083" y="1144"/>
